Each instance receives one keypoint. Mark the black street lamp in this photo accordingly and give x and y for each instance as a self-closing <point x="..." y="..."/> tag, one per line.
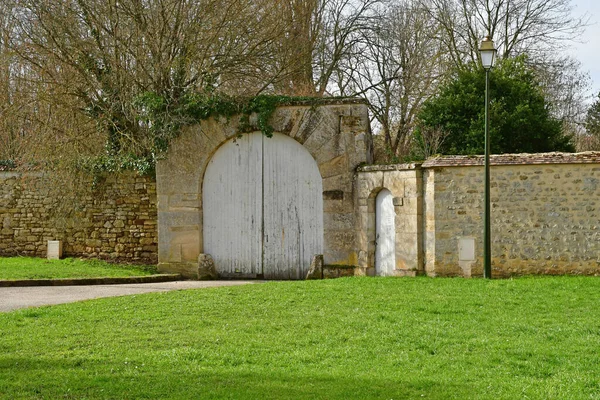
<point x="488" y="56"/>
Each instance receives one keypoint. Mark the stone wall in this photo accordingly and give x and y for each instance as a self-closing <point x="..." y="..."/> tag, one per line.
<point x="545" y="215"/>
<point x="545" y="207"/>
<point x="117" y="220"/>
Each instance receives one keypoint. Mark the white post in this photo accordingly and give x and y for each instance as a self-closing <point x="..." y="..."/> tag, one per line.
<point x="55" y="249"/>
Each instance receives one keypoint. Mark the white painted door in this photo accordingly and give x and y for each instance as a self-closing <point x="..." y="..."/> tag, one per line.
<point x="263" y="208"/>
<point x="232" y="208"/>
<point x="292" y="209"/>
<point x="385" y="229"/>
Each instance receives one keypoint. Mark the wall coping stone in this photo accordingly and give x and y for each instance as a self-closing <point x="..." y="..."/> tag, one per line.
<point x="589" y="157"/>
<point x="389" y="167"/>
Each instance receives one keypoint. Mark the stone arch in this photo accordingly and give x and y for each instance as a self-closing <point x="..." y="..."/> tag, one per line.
<point x="404" y="183"/>
<point x="336" y="134"/>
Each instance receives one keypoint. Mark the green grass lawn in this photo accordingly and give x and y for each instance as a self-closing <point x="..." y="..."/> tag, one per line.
<point x="351" y="338"/>
<point x="40" y="268"/>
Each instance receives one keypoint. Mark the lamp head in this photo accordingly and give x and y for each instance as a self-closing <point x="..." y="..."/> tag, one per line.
<point x="487" y="52"/>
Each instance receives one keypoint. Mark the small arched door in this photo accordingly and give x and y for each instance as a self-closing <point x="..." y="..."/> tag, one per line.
<point x="262" y="208"/>
<point x="385" y="230"/>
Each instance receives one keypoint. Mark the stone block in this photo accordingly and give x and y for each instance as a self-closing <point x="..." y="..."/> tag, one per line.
<point x="55" y="250"/>
<point x="186" y="269"/>
<point x="318" y="127"/>
<point x="351" y="124"/>
<point x="363" y="260"/>
<point x="333" y="167"/>
<point x="334" y="147"/>
<point x="288" y="119"/>
<point x="338" y="206"/>
<point x="338" y="221"/>
<point x="337" y="271"/>
<point x="338" y="240"/>
<point x="368" y="182"/>
<point x="333" y="195"/>
<point x="206" y="268"/>
<point x="340" y="257"/>
<point x="394" y="183"/>
<point x="341" y="182"/>
<point x="184" y="201"/>
<point x="412" y="188"/>
<point x="316" y="268"/>
<point x="408" y="223"/>
<point x="413" y="206"/>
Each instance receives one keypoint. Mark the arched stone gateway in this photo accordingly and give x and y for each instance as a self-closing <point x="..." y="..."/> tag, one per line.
<point x="263" y="208"/>
<point x="284" y="199"/>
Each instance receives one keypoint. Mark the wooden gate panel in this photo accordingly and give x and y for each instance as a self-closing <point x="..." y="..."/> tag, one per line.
<point x="263" y="208"/>
<point x="292" y="209"/>
<point x="232" y="208"/>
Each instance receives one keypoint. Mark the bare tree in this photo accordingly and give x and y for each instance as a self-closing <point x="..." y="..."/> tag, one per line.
<point x="567" y="88"/>
<point x="427" y="142"/>
<point x="344" y="24"/>
<point x="12" y="100"/>
<point x="396" y="67"/>
<point x="320" y="36"/>
<point x="96" y="57"/>
<point x="532" y="27"/>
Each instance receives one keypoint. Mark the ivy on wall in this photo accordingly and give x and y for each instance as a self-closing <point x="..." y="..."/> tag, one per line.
<point x="164" y="119"/>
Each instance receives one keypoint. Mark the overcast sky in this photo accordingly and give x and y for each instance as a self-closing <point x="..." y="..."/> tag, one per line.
<point x="588" y="52"/>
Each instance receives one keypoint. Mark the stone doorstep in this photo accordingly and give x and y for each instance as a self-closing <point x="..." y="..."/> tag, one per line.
<point x="91" y="281"/>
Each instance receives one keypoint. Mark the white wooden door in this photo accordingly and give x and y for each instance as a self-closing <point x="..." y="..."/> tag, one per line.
<point x="385" y="229"/>
<point x="263" y="208"/>
<point x="292" y="209"/>
<point x="232" y="208"/>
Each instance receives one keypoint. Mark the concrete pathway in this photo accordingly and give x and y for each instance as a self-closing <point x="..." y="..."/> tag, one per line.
<point x="12" y="298"/>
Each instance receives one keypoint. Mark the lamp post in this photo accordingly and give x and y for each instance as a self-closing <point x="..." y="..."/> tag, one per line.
<point x="488" y="55"/>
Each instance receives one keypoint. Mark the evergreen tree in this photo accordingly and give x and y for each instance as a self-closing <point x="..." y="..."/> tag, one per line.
<point x="520" y="118"/>
<point x="592" y="120"/>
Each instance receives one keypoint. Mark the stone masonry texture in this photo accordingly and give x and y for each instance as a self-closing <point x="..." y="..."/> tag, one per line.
<point x="545" y="213"/>
<point x="336" y="133"/>
<point x="405" y="183"/>
<point x="116" y="221"/>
